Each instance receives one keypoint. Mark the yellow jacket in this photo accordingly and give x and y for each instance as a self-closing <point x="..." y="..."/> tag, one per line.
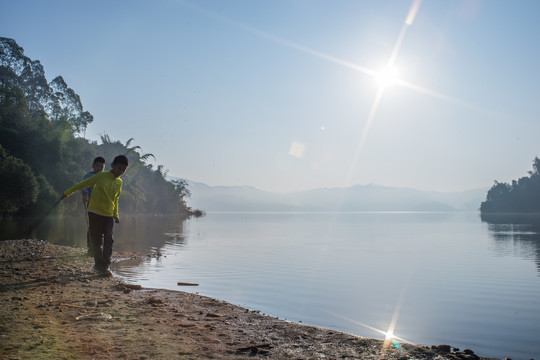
<point x="104" y="199"/>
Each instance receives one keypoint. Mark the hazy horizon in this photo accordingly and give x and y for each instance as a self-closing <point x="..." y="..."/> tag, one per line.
<point x="485" y="188"/>
<point x="292" y="95"/>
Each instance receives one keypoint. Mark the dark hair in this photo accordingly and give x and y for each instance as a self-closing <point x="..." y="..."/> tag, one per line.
<point x="121" y="159"/>
<point x="99" y="159"/>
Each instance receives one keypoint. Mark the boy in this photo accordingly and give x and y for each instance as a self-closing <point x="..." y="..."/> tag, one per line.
<point x="97" y="166"/>
<point x="103" y="210"/>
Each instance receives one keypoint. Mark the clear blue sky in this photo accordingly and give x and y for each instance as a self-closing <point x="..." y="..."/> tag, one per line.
<point x="283" y="94"/>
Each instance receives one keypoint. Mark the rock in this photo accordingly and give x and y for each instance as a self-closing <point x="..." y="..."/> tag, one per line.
<point x="442" y="348"/>
<point x="254" y="350"/>
<point x="154" y="301"/>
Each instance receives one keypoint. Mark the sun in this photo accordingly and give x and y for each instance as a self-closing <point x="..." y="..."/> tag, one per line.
<point x="387" y="76"/>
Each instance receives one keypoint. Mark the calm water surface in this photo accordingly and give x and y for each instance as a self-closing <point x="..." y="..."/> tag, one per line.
<point x="433" y="278"/>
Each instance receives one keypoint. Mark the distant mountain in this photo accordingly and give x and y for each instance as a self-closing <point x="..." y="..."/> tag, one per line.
<point x="355" y="198"/>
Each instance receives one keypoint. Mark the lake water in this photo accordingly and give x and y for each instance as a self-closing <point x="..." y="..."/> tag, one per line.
<point x="434" y="278"/>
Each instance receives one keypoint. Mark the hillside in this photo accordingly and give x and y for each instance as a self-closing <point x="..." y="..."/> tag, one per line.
<point x="356" y="198"/>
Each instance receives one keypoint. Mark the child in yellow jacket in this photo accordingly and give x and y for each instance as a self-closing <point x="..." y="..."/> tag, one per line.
<point x="103" y="210"/>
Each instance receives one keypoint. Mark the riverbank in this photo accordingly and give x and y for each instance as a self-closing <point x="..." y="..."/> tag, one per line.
<point x="54" y="307"/>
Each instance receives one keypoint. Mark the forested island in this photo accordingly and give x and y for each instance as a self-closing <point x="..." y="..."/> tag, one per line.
<point x="43" y="150"/>
<point x="521" y="196"/>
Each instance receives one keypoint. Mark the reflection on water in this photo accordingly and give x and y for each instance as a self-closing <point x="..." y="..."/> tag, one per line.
<point x="450" y="277"/>
<point x="516" y="235"/>
<point x="136" y="233"/>
<point x="513" y="234"/>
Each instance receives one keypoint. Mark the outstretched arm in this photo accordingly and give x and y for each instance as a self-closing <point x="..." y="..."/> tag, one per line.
<point x="91" y="181"/>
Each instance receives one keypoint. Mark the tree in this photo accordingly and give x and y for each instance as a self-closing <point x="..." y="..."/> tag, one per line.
<point x="18" y="183"/>
<point x="181" y="188"/>
<point x="55" y="99"/>
<point x="66" y="105"/>
<point x="522" y="195"/>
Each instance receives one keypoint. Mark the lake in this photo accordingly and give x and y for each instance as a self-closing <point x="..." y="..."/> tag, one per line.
<point x="431" y="278"/>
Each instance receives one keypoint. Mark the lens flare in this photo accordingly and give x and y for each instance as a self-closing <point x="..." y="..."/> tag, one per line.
<point x="296" y="149"/>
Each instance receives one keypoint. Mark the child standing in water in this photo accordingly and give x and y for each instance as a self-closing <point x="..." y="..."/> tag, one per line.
<point x="97" y="166"/>
<point x="103" y="210"/>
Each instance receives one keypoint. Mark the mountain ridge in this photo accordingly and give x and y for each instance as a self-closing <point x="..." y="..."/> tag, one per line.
<point x="369" y="197"/>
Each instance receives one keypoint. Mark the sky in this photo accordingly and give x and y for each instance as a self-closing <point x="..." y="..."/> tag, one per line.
<point x="289" y="95"/>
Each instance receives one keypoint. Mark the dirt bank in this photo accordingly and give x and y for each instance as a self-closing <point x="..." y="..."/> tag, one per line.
<point x="52" y="306"/>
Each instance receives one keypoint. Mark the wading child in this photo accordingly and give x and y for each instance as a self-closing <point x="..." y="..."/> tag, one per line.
<point x="97" y="166"/>
<point x="103" y="210"/>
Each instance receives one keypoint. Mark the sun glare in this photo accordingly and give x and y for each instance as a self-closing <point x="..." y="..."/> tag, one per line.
<point x="387" y="77"/>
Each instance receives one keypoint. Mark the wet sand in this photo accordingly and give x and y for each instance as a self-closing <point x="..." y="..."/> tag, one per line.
<point x="54" y="307"/>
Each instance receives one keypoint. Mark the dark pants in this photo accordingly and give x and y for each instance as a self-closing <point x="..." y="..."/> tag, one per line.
<point x="101" y="235"/>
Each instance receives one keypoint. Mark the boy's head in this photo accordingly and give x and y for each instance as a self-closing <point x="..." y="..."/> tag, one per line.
<point x="98" y="164"/>
<point x="119" y="165"/>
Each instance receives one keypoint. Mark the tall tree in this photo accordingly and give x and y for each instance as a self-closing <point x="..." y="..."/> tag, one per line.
<point x="55" y="99"/>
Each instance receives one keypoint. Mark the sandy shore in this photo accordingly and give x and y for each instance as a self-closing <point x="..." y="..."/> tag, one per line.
<point x="54" y="307"/>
